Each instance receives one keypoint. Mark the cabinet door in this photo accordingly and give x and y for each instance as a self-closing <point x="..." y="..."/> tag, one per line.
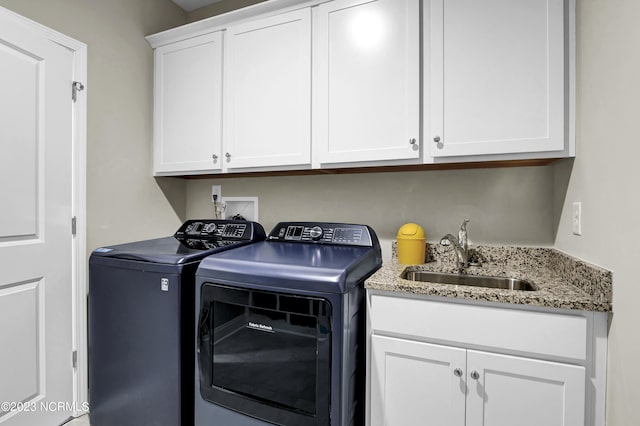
<point x="267" y="92"/>
<point x="497" y="77"/>
<point x="414" y="383"/>
<point x="366" y="81"/>
<point x="188" y="105"/>
<point x="525" y="392"/>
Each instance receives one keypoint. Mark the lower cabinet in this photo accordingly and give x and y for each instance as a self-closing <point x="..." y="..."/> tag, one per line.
<point x="417" y="383"/>
<point x="508" y="390"/>
<point x="459" y="364"/>
<point x="413" y="383"/>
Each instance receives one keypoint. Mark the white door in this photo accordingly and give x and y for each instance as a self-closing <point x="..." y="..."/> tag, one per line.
<point x="188" y="106"/>
<point x="506" y="391"/>
<point x="267" y="92"/>
<point x="416" y="383"/>
<point x="497" y="77"/>
<point x="36" y="373"/>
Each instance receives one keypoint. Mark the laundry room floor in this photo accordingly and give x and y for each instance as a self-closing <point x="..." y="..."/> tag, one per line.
<point x="80" y="421"/>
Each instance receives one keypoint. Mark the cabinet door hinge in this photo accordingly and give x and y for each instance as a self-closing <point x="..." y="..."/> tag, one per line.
<point x="76" y="87"/>
<point x="74" y="359"/>
<point x="73" y="226"/>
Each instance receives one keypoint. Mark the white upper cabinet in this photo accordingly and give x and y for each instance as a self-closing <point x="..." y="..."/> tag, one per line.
<point x="267" y="92"/>
<point x="188" y="106"/>
<point x="498" y="77"/>
<point x="366" y="81"/>
<point x="355" y="83"/>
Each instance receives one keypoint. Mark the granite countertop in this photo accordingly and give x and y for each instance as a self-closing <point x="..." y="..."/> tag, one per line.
<point x="562" y="281"/>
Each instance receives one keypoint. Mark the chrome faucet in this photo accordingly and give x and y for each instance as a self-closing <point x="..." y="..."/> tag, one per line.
<point x="460" y="244"/>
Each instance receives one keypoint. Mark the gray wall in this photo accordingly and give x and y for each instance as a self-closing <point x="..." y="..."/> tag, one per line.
<point x="605" y="178"/>
<point x="219" y="8"/>
<point x="505" y="205"/>
<point x="121" y="193"/>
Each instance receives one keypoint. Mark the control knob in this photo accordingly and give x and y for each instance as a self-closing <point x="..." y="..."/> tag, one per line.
<point x="209" y="228"/>
<point x="315" y="233"/>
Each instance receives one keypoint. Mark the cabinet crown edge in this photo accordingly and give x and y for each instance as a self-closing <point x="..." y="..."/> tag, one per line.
<point x="220" y="22"/>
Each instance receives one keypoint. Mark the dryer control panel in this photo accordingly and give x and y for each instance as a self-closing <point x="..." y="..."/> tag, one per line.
<point x="324" y="233"/>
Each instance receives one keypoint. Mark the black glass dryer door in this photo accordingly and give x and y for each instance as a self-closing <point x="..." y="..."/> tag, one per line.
<point x="268" y="355"/>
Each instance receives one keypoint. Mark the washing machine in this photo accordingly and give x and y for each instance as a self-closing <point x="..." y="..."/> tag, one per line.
<point x="141" y="308"/>
<point x="280" y="328"/>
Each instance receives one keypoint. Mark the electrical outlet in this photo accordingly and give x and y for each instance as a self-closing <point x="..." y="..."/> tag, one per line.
<point x="577" y="218"/>
<point x="216" y="193"/>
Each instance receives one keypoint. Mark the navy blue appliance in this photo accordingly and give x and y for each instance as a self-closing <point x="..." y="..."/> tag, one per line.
<point x="280" y="328"/>
<point x="141" y="308"/>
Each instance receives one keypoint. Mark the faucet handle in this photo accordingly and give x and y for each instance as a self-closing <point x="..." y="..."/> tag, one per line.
<point x="463" y="236"/>
<point x="448" y="240"/>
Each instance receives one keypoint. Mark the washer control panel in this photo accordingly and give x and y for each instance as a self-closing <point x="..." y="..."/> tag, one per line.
<point x="215" y="229"/>
<point x="323" y="233"/>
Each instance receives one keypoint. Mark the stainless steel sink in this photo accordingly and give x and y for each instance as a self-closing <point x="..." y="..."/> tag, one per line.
<point x="472" y="280"/>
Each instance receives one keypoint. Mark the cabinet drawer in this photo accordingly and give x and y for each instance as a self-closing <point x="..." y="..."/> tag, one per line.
<point x="543" y="333"/>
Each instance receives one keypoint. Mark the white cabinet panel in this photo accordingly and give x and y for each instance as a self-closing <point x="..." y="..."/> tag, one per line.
<point x="497" y="77"/>
<point x="520" y="330"/>
<point x="366" y="81"/>
<point x="414" y="383"/>
<point x="188" y="105"/>
<point x="419" y="372"/>
<point x="267" y="92"/>
<point x="525" y="392"/>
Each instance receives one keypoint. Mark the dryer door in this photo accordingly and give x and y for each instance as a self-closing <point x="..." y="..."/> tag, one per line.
<point x="266" y="354"/>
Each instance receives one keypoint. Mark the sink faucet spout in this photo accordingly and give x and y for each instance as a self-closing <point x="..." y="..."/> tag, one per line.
<point x="460" y="245"/>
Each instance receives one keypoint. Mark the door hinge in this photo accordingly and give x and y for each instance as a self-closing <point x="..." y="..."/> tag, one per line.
<point x="73" y="226"/>
<point x="76" y="87"/>
<point x="74" y="359"/>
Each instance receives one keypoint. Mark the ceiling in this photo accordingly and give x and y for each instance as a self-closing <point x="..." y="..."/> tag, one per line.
<point x="190" y="5"/>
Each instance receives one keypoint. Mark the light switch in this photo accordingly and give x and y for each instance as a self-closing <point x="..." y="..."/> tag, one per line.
<point x="577" y="218"/>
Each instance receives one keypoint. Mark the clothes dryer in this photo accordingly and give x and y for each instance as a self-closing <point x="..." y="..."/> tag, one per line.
<point x="281" y="328"/>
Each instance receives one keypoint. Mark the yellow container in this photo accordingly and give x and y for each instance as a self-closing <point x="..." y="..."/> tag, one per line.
<point x="411" y="244"/>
